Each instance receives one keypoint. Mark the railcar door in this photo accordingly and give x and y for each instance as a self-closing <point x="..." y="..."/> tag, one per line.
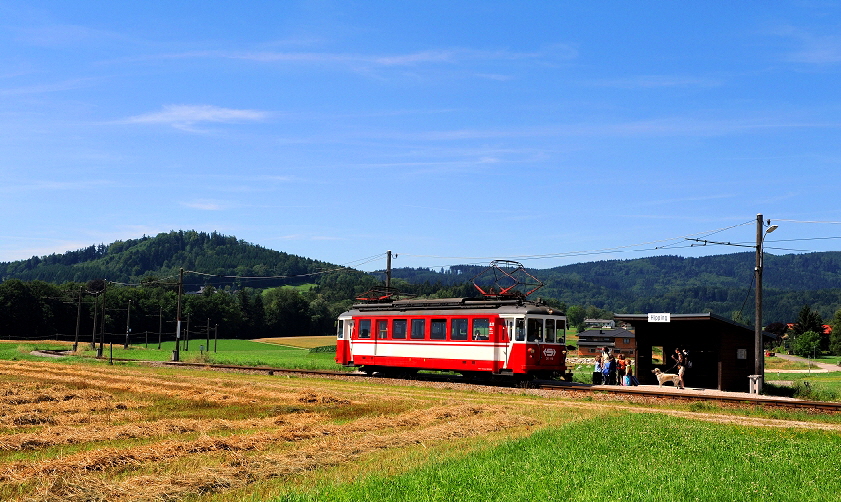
<point x="380" y="333"/>
<point x="343" y="330"/>
<point x="499" y="337"/>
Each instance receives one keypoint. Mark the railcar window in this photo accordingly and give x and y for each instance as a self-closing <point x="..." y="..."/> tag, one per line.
<point x="550" y="331"/>
<point x="398" y="329"/>
<point x="382" y="328"/>
<point x="535" y="331"/>
<point x="340" y="329"/>
<point x="520" y="330"/>
<point x="418" y="329"/>
<point x="438" y="329"/>
<point x="458" y="329"/>
<point x="364" y="328"/>
<point x="481" y="329"/>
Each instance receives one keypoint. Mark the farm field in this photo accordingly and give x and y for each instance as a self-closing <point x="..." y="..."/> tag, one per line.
<point x="228" y="351"/>
<point x="82" y="430"/>
<point x="303" y="342"/>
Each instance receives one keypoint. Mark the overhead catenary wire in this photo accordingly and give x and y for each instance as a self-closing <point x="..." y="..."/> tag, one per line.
<point x="582" y="252"/>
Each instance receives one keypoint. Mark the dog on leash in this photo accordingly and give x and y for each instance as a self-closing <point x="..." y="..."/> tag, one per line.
<point x="666" y="377"/>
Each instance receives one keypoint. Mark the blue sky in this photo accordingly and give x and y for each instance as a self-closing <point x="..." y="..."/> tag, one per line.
<point x="449" y="132"/>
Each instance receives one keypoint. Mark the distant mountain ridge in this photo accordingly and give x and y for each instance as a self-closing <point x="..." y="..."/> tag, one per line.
<point x="162" y="255"/>
<point x="718" y="283"/>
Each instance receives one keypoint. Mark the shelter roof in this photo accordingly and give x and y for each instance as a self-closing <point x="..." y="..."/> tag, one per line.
<point x="637" y="319"/>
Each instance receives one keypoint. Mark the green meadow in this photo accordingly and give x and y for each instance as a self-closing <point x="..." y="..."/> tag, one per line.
<point x="634" y="457"/>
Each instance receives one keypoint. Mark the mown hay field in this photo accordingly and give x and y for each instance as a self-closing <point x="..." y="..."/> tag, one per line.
<point x="91" y="431"/>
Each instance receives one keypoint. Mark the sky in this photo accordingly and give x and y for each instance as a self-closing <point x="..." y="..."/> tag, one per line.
<point x="448" y="132"/>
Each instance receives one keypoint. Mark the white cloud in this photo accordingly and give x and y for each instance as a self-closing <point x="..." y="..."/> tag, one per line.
<point x="813" y="49"/>
<point x="655" y="81"/>
<point x="184" y="116"/>
<point x="366" y="62"/>
<point x="818" y="50"/>
<point x="66" y="85"/>
<point x="204" y="205"/>
<point x="50" y="185"/>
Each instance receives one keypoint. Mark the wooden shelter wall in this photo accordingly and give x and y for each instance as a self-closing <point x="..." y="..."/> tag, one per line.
<point x="712" y="346"/>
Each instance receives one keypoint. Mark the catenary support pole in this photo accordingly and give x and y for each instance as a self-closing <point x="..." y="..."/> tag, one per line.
<point x="176" y="354"/>
<point x="759" y="361"/>
<point x="388" y="269"/>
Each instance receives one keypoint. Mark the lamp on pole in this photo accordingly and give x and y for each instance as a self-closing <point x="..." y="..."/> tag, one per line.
<point x="759" y="367"/>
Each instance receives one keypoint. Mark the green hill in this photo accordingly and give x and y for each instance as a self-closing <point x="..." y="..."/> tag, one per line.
<point x="162" y="256"/>
<point x="719" y="283"/>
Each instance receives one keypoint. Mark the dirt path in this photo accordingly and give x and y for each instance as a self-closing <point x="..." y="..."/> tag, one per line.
<point x="822" y="367"/>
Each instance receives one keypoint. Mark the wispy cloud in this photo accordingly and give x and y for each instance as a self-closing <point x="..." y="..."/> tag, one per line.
<point x="658" y="81"/>
<point x="185" y="116"/>
<point x="65" y="85"/>
<point x="657" y="127"/>
<point x="303" y="237"/>
<point x="205" y="205"/>
<point x="813" y="49"/>
<point x="366" y="62"/>
<point x="62" y="35"/>
<point x="687" y="199"/>
<point x="43" y="185"/>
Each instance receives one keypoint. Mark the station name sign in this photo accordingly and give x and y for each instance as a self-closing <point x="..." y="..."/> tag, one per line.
<point x="661" y="317"/>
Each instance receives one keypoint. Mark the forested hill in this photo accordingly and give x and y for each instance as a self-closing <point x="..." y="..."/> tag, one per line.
<point x="163" y="255"/>
<point x="719" y="283"/>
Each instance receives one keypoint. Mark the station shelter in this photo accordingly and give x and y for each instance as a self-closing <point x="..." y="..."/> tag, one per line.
<point x="722" y="351"/>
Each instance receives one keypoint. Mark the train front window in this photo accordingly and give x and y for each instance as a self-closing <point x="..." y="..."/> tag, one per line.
<point x="550" y="331"/>
<point x="382" y="329"/>
<point x="520" y="330"/>
<point x="364" y="328"/>
<point x="438" y="329"/>
<point x="481" y="329"/>
<point x="340" y="329"/>
<point x="418" y="329"/>
<point x="458" y="329"/>
<point x="398" y="329"/>
<point x="535" y="331"/>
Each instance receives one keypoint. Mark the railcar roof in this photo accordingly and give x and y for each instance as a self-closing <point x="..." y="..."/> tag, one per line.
<point x="453" y="306"/>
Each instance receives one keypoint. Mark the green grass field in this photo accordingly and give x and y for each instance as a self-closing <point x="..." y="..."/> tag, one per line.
<point x="237" y="352"/>
<point x="626" y="457"/>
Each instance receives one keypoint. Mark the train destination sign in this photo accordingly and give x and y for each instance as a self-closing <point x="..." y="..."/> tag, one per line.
<point x="661" y="317"/>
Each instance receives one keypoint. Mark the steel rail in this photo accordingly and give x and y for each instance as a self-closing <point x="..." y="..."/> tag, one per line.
<point x="540" y="384"/>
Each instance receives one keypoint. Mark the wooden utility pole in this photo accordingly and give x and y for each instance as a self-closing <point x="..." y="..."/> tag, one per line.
<point x="176" y="355"/>
<point x="78" y="320"/>
<point x="388" y="269"/>
<point x="160" y="326"/>
<point x="99" y="351"/>
<point x="95" y="310"/>
<point x="128" y="328"/>
<point x="187" y="335"/>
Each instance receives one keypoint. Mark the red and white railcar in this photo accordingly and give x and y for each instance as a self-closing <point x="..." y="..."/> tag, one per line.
<point x="467" y="335"/>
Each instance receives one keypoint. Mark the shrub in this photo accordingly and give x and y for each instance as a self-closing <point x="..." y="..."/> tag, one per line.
<point x="807" y="344"/>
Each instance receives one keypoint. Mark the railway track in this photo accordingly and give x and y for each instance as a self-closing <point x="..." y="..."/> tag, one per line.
<point x="540" y="384"/>
<point x="696" y="396"/>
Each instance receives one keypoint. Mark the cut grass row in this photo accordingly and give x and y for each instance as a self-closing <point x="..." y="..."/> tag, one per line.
<point x="560" y="449"/>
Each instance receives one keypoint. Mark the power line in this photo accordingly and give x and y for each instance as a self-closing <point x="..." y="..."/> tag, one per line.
<point x="583" y="252"/>
<point x="807" y="221"/>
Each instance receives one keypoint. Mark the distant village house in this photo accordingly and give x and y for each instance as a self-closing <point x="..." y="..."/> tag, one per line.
<point x="618" y="341"/>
